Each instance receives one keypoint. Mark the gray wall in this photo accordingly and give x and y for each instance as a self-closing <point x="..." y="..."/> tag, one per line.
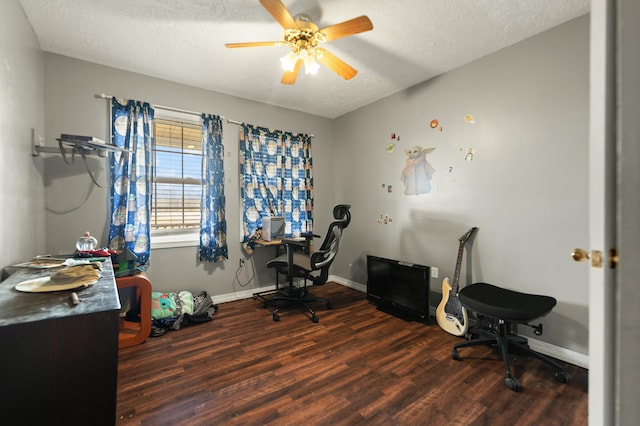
<point x="75" y="204"/>
<point x="526" y="188"/>
<point x="21" y="109"/>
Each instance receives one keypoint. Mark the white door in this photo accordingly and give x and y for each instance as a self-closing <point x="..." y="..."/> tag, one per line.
<point x="602" y="162"/>
<point x="614" y="212"/>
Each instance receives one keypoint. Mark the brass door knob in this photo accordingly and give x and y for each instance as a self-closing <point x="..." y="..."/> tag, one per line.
<point x="580" y="255"/>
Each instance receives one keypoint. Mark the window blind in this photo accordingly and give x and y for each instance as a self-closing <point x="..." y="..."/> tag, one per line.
<point x="177" y="180"/>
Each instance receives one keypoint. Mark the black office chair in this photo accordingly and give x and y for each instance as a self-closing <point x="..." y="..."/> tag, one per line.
<point x="504" y="308"/>
<point x="313" y="266"/>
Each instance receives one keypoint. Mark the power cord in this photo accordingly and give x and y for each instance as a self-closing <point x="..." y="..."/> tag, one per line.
<point x="253" y="274"/>
<point x="83" y="153"/>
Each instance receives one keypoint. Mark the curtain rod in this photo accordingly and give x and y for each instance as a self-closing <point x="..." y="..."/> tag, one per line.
<point x="185" y="111"/>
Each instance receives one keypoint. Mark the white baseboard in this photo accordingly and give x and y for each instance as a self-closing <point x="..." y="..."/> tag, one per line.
<point x="239" y="295"/>
<point x="348" y="283"/>
<point x="557" y="352"/>
<point x="245" y="294"/>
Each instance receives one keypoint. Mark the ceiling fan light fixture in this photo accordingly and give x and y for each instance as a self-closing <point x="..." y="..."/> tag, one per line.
<point x="289" y="61"/>
<point x="307" y="56"/>
<point x="310" y="64"/>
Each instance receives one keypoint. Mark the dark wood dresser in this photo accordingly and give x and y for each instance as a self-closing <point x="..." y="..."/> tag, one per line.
<point x="59" y="361"/>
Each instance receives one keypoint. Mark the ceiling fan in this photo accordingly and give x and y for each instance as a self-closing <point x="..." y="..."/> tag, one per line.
<point x="304" y="39"/>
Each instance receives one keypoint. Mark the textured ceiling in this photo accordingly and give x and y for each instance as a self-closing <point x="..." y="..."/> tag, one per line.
<point x="412" y="41"/>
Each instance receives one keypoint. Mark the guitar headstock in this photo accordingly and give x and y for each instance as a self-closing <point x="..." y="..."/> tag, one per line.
<point x="468" y="234"/>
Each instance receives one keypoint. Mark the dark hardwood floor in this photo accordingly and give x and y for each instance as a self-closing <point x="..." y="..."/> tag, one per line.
<point x="356" y="366"/>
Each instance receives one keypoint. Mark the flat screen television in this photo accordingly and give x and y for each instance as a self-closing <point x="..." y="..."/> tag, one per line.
<point x="399" y="288"/>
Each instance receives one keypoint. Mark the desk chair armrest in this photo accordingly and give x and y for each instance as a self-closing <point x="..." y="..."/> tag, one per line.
<point x="294" y="242"/>
<point x="303" y="241"/>
<point x="310" y="235"/>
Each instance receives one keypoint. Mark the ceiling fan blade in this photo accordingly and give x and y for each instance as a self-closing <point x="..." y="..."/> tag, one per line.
<point x="289" y="77"/>
<point x="347" y="28"/>
<point x="256" y="44"/>
<point x="280" y="13"/>
<point x="336" y="64"/>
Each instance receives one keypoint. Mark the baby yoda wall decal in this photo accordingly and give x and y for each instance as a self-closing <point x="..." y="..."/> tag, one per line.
<point x="417" y="171"/>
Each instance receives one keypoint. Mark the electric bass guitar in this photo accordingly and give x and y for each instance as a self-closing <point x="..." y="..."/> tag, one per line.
<point x="450" y="314"/>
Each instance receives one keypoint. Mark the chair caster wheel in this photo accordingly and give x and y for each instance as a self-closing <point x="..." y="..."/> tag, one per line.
<point x="276" y="317"/>
<point x="315" y="319"/>
<point x="329" y="305"/>
<point x="512" y="384"/>
<point x="562" y="377"/>
<point x="456" y="355"/>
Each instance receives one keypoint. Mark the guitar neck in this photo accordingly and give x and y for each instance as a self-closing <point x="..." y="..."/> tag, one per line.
<point x="456" y="275"/>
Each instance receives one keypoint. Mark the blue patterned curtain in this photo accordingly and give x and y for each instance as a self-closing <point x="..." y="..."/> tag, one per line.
<point x="213" y="223"/>
<point x="276" y="178"/>
<point x="131" y="174"/>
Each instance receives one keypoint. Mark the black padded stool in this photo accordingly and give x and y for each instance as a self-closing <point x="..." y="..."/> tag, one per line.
<point x="507" y="307"/>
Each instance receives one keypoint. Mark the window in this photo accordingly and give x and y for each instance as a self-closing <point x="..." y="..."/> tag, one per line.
<point x="177" y="181"/>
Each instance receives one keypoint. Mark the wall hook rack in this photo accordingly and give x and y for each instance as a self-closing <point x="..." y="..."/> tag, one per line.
<point x="70" y="144"/>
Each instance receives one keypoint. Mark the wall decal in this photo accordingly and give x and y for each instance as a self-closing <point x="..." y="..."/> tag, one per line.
<point x="469" y="155"/>
<point x="434" y="124"/>
<point x="392" y="146"/>
<point x="469" y="119"/>
<point x="417" y="171"/>
<point x="384" y="219"/>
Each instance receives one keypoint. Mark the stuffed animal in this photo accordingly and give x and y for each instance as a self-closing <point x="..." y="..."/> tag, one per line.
<point x="417" y="171"/>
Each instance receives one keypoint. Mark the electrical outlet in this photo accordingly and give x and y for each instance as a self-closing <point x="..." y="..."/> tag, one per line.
<point x="241" y="262"/>
<point x="434" y="272"/>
